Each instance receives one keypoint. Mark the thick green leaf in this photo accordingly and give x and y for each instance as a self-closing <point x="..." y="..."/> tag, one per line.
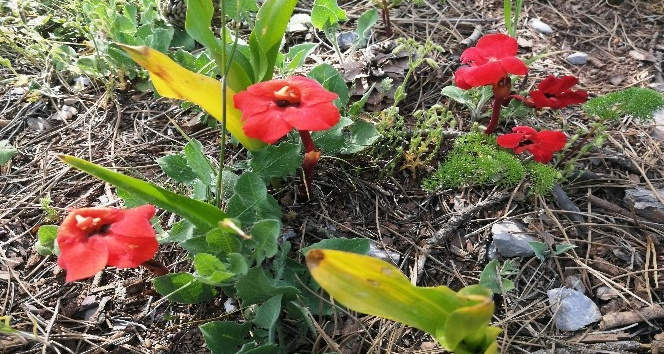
<point x="175" y="166"/>
<point x="354" y="245"/>
<point x="237" y="263"/>
<point x="541" y="249"/>
<point x="46" y="239"/>
<point x="223" y="241"/>
<point x="332" y="140"/>
<point x="6" y="152"/>
<point x="179" y="232"/>
<point x="362" y="135"/>
<point x="265" y="38"/>
<point x="265" y="233"/>
<point x="251" y="202"/>
<point x="330" y="78"/>
<point x="203" y="215"/>
<point x="183" y="288"/>
<point x="364" y="24"/>
<point x="211" y="269"/>
<point x="492" y="278"/>
<point x="297" y="54"/>
<point x="268" y="314"/>
<point x="458" y="95"/>
<point x="256" y="286"/>
<point x="225" y="337"/>
<point x="198" y="162"/>
<point x="326" y="13"/>
<point x="276" y="161"/>
<point x="234" y="8"/>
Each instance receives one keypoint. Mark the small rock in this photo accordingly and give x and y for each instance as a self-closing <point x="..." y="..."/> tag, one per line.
<point x="382" y="254"/>
<point x="540" y="26"/>
<point x="572" y="310"/>
<point x="509" y="240"/>
<point x="574" y="282"/>
<point x="345" y="40"/>
<point x="645" y="203"/>
<point x="617" y="79"/>
<point x="658" y="118"/>
<point x="605" y="293"/>
<point x="578" y="58"/>
<point x="229" y="305"/>
<point x="299" y="23"/>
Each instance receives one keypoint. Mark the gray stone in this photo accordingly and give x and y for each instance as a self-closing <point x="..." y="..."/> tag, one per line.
<point x="386" y="255"/>
<point x="572" y="310"/>
<point x="345" y="39"/>
<point x="578" y="58"/>
<point x="540" y="26"/>
<point x="645" y="203"/>
<point x="510" y="241"/>
<point x="299" y="23"/>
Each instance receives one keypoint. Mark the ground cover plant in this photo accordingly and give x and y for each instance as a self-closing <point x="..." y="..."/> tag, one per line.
<point x="284" y="176"/>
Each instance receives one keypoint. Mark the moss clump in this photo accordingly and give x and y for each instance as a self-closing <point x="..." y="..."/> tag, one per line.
<point x="477" y="160"/>
<point x="542" y="177"/>
<point x="637" y="102"/>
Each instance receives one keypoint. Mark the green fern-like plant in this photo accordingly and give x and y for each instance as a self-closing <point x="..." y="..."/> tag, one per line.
<point x="542" y="177"/>
<point x="637" y="102"/>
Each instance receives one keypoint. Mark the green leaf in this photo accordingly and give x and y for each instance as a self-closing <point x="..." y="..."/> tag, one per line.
<point x="354" y="245"/>
<point x="211" y="269"/>
<point x="330" y="141"/>
<point x="183" y="288"/>
<point x="276" y="161"/>
<point x="175" y="166"/>
<point x="268" y="314"/>
<point x="255" y="287"/>
<point x="6" y="152"/>
<point x="203" y="215"/>
<point x="364" y="24"/>
<point x="128" y="200"/>
<point x="297" y="55"/>
<point x="234" y="8"/>
<point x="356" y="108"/>
<point x="458" y="94"/>
<point x="362" y="135"/>
<point x="180" y="231"/>
<point x="198" y="162"/>
<point x="265" y="38"/>
<point x="225" y="337"/>
<point x="542" y="250"/>
<point x="562" y="248"/>
<point x="251" y="201"/>
<point x="46" y="236"/>
<point x="326" y="13"/>
<point x="265" y="233"/>
<point x="330" y="78"/>
<point x="223" y="241"/>
<point x="491" y="278"/>
<point x="237" y="263"/>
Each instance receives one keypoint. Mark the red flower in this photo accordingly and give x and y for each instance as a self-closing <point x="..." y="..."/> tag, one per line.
<point x="91" y="238"/>
<point x="491" y="60"/>
<point x="542" y="145"/>
<point x="555" y="93"/>
<point x="272" y="108"/>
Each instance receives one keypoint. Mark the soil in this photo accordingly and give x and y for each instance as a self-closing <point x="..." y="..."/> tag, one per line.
<point x="442" y="238"/>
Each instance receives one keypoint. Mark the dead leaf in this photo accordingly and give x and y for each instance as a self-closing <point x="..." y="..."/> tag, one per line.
<point x="642" y="55"/>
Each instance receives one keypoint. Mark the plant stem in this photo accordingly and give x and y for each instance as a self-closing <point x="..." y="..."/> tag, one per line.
<point x="495" y="115"/>
<point x="385" y="7"/>
<point x="307" y="141"/>
<point x="579" y="145"/>
<point x="311" y="157"/>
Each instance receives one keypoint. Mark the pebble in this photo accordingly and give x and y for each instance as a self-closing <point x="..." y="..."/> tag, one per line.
<point x="572" y="309"/>
<point x="345" y="40"/>
<point x="540" y="26"/>
<point x="299" y="23"/>
<point x="578" y="58"/>
<point x="509" y="240"/>
<point x="382" y="254"/>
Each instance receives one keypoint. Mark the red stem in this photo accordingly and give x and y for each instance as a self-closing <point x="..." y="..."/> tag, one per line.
<point x="495" y="115"/>
<point x="155" y="267"/>
<point x="307" y="141"/>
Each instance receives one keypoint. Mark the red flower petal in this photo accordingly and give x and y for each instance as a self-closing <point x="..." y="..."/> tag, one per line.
<point x="553" y="85"/>
<point x="472" y="56"/>
<point x="311" y="92"/>
<point x="550" y="140"/>
<point x="460" y="78"/>
<point x="543" y="156"/>
<point x="573" y="97"/>
<point x="510" y="141"/>
<point x="497" y="46"/>
<point x="514" y="65"/>
<point x="251" y="104"/>
<point x="315" y="118"/>
<point x="82" y="258"/>
<point x="487" y="74"/>
<point x="129" y="251"/>
<point x="539" y="99"/>
<point x="268" y="126"/>
<point x="526" y="130"/>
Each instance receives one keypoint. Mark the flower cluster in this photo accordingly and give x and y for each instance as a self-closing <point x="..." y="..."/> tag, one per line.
<point x="92" y="238"/>
<point x="491" y="62"/>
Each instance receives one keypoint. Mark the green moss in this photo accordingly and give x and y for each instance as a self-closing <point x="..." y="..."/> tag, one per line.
<point x="637" y="102"/>
<point x="476" y="160"/>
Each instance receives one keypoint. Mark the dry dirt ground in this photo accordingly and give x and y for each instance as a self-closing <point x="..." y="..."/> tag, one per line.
<point x="441" y="237"/>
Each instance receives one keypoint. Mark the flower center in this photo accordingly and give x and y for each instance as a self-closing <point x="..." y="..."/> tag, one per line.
<point x="287" y="96"/>
<point x="525" y="142"/>
<point x="92" y="226"/>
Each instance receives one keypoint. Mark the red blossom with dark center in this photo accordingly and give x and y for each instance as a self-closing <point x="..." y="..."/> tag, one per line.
<point x="554" y="92"/>
<point x="492" y="59"/>
<point x="541" y="144"/>
<point x="92" y="238"/>
<point x="272" y="108"/>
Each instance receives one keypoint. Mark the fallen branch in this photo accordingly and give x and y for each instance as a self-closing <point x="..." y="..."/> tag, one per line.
<point x="619" y="319"/>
